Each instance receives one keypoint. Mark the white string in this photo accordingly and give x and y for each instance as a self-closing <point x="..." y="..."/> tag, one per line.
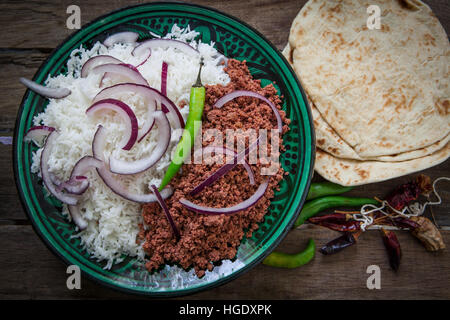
<point x="413" y="210"/>
<point x="364" y="215"/>
<point x="431" y="203"/>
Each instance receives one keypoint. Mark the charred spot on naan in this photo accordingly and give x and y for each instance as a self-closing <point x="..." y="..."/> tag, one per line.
<point x="363" y="173"/>
<point x="320" y="142"/>
<point x="443" y="107"/>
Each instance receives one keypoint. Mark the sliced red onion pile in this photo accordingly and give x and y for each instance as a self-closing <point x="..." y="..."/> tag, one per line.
<point x="132" y="167"/>
<point x="163" y="205"/>
<point x="150" y="96"/>
<point x="127" y="115"/>
<point x="55" y="93"/>
<point x="121" y="37"/>
<point x="113" y="182"/>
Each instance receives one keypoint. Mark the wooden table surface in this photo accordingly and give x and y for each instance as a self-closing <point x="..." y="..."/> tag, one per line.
<point x="31" y="29"/>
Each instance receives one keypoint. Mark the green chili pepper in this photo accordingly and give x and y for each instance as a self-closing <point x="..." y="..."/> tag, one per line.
<point x="313" y="207"/>
<point x="184" y="146"/>
<point x="322" y="189"/>
<point x="285" y="260"/>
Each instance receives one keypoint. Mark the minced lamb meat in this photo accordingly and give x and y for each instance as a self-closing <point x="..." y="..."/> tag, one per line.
<point x="207" y="239"/>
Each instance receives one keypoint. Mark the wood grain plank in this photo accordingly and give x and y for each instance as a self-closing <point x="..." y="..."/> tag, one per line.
<point x="10" y="206"/>
<point x="29" y="270"/>
<point x="27" y="24"/>
<point x="15" y="64"/>
<point x="39" y="18"/>
<point x="343" y="276"/>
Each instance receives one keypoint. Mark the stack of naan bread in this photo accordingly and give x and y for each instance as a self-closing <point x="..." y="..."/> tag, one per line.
<point x="379" y="97"/>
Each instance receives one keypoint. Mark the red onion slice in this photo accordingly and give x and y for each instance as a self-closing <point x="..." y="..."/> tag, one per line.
<point x="223" y="150"/>
<point x="78" y="182"/>
<point x="97" y="61"/>
<point x="132" y="167"/>
<point x="125" y="112"/>
<point x="145" y="60"/>
<point x="76" y="185"/>
<point x="84" y="165"/>
<point x="163" y="205"/>
<point x="164" y="43"/>
<point x="164" y="68"/>
<point x="238" y="207"/>
<point x="238" y="158"/>
<point x="149" y="94"/>
<point x="55" y="93"/>
<point x="120" y="72"/>
<point x="98" y="145"/>
<point x="45" y="156"/>
<point x="121" y="37"/>
<point x="37" y="134"/>
<point x="243" y="93"/>
<point x="75" y="213"/>
<point x="55" y="180"/>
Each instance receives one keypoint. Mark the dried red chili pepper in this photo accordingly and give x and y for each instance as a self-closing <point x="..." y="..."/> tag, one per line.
<point x="347" y="226"/>
<point x="393" y="249"/>
<point x="334" y="246"/>
<point x="400" y="222"/>
<point x="337" y="221"/>
<point x="402" y="195"/>
<point x="333" y="218"/>
<point x="405" y="193"/>
<point x="405" y="223"/>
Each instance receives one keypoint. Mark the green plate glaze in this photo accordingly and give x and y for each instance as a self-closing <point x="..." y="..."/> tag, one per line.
<point x="234" y="39"/>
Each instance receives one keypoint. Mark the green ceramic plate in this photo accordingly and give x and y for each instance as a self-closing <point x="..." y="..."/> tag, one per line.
<point x="234" y="39"/>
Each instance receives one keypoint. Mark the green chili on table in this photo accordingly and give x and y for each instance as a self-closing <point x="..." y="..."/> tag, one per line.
<point x="184" y="146"/>
<point x="321" y="189"/>
<point x="286" y="260"/>
<point x="313" y="207"/>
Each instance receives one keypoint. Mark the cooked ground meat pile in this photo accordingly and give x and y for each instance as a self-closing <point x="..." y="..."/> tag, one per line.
<point x="207" y="239"/>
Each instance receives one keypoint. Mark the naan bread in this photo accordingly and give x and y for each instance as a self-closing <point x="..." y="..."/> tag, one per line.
<point x="382" y="92"/>
<point x="353" y="172"/>
<point x="328" y="140"/>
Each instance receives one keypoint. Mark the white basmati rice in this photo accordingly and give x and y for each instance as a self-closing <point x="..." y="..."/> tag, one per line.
<point x="112" y="220"/>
